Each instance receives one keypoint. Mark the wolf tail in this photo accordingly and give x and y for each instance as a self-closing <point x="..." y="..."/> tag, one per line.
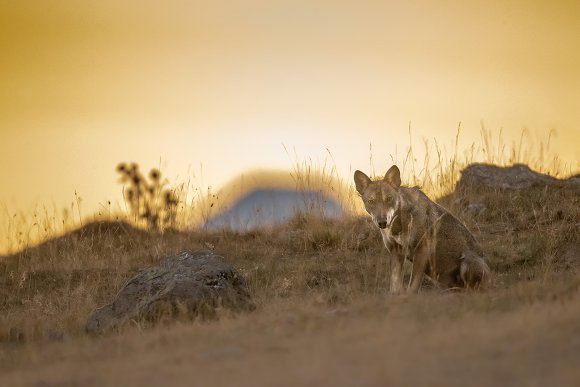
<point x="474" y="272"/>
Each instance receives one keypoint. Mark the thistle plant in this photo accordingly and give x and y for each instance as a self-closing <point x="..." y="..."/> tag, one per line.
<point x="150" y="201"/>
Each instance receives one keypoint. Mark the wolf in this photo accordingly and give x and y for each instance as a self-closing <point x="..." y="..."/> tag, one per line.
<point x="414" y="227"/>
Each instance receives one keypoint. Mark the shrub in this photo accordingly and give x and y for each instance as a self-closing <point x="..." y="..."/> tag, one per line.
<point x="151" y="202"/>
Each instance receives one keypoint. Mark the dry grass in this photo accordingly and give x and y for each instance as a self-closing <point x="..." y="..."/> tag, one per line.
<point x="323" y="315"/>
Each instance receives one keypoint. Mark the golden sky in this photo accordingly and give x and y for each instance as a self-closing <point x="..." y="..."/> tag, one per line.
<point x="215" y="88"/>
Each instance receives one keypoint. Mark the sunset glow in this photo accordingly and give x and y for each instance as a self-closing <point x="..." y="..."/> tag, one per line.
<point x="209" y="90"/>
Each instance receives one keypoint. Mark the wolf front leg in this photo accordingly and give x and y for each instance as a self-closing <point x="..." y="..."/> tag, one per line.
<point x="420" y="261"/>
<point x="396" y="263"/>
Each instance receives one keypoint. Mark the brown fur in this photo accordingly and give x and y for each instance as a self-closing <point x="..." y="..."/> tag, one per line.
<point x="414" y="227"/>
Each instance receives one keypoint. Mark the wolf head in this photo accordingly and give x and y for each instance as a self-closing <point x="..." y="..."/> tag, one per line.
<point x="381" y="198"/>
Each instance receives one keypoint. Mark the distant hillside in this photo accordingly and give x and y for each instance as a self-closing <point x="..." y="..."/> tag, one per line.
<point x="269" y="206"/>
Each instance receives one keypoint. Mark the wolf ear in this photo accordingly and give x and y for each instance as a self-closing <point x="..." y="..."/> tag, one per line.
<point x="361" y="181"/>
<point x="393" y="176"/>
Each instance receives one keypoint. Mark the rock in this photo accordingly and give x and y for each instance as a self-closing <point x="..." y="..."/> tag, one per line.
<point x="517" y="176"/>
<point x="189" y="284"/>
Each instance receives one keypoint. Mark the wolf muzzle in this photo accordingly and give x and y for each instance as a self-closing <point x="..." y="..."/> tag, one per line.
<point x="388" y="221"/>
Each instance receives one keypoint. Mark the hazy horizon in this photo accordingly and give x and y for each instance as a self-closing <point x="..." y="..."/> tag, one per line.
<point x="209" y="91"/>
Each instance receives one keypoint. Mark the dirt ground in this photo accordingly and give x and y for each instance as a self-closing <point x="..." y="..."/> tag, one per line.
<point x="430" y="340"/>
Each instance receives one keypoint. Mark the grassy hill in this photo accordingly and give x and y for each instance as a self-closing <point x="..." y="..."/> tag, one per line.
<point x="323" y="316"/>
